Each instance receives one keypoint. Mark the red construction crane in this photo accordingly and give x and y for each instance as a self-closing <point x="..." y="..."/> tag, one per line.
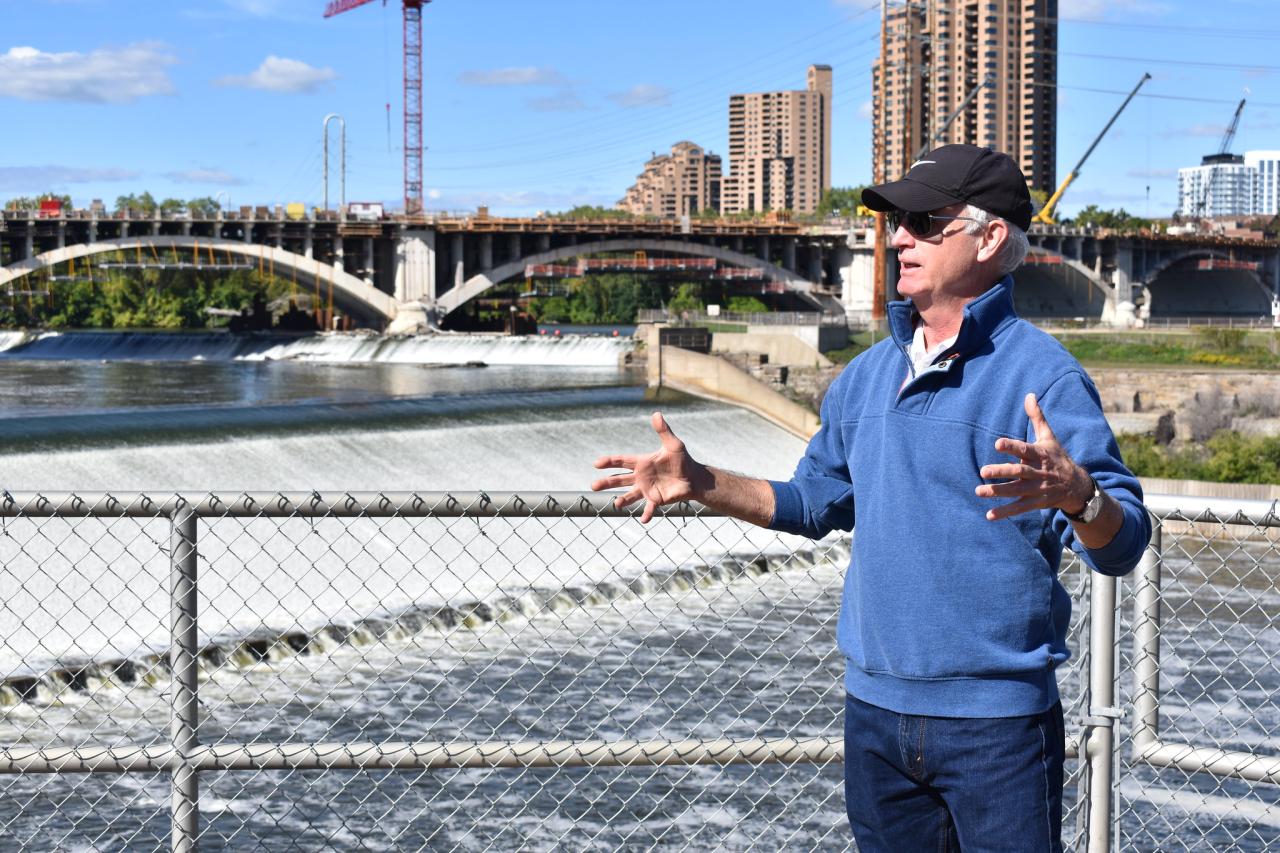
<point x="412" y="93"/>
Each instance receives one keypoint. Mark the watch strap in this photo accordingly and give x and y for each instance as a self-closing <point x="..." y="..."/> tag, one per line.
<point x="1092" y="507"/>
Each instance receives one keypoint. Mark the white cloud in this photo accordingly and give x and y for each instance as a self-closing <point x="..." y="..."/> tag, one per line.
<point x="205" y="176"/>
<point x="102" y="76"/>
<point x="524" y="76"/>
<point x="642" y="95"/>
<point x="865" y="111"/>
<point x="277" y="74"/>
<point x="42" y="178"/>
<point x="857" y="4"/>
<point x="1152" y="173"/>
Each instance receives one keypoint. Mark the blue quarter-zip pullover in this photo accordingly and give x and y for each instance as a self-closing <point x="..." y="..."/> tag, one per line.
<point x="945" y="613"/>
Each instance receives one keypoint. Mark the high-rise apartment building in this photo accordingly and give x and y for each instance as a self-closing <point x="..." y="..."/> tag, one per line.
<point x="1266" y="185"/>
<point x="937" y="52"/>
<point x="682" y="183"/>
<point x="780" y="148"/>
<point x="1231" y="185"/>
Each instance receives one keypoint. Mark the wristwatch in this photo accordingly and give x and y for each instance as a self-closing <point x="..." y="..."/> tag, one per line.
<point x="1092" y="508"/>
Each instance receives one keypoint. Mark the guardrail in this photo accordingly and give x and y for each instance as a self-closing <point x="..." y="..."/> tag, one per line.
<point x="427" y="670"/>
<point x="754" y="318"/>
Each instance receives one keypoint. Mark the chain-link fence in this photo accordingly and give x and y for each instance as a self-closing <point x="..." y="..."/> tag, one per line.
<point x="1200" y="676"/>
<point x="399" y="671"/>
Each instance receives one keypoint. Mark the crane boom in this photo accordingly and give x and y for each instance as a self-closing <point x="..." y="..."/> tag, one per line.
<point x="337" y="7"/>
<point x="1045" y="216"/>
<point x="1217" y="159"/>
<point x="989" y="79"/>
<point x="412" y="93"/>
<point x="1231" y="131"/>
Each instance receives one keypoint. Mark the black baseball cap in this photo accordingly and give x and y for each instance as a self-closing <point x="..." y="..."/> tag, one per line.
<point x="958" y="173"/>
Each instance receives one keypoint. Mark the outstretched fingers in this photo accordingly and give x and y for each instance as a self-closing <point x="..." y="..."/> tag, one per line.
<point x="613" y="481"/>
<point x="628" y="462"/>
<point x="1038" y="420"/>
<point x="1014" y="447"/>
<point x="1010" y="509"/>
<point x="668" y="438"/>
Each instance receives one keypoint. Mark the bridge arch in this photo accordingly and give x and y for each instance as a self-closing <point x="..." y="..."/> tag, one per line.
<point x="1238" y="292"/>
<point x="1039" y="291"/>
<point x="354" y="294"/>
<point x="1190" y="254"/>
<point x="478" y="284"/>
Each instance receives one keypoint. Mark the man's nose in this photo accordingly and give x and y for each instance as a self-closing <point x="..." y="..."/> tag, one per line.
<point x="901" y="238"/>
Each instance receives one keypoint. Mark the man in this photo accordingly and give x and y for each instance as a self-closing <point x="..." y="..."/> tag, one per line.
<point x="953" y="620"/>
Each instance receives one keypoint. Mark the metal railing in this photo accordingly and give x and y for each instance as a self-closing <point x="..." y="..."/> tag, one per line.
<point x="761" y="318"/>
<point x="486" y="670"/>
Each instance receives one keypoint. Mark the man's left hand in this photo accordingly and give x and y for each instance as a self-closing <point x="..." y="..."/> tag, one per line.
<point x="1045" y="477"/>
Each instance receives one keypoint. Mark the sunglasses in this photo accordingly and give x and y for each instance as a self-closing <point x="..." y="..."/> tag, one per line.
<point x="920" y="224"/>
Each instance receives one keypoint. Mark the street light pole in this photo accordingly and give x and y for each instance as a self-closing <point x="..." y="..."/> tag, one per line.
<point x="342" y="156"/>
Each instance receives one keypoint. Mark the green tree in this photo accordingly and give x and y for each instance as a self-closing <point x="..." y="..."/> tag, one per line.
<point x="204" y="207"/>
<point x="1038" y="200"/>
<point x="33" y="202"/>
<point x="1116" y="220"/>
<point x="143" y="203"/>
<point x="688" y="297"/>
<point x="842" y="201"/>
<point x="588" y="211"/>
<point x="746" y="305"/>
<point x="552" y="309"/>
<point x="171" y="206"/>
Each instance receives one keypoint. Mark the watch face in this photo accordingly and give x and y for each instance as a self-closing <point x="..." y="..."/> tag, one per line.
<point x="1093" y="508"/>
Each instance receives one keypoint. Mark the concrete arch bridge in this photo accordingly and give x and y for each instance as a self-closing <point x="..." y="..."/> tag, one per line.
<point x="513" y="269"/>
<point x="393" y="271"/>
<point x="352" y="294"/>
<point x="1132" y="276"/>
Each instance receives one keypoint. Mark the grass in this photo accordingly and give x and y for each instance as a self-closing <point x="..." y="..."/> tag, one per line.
<point x="1227" y="457"/>
<point x="859" y="342"/>
<point x="1206" y="347"/>
<point x="1200" y="348"/>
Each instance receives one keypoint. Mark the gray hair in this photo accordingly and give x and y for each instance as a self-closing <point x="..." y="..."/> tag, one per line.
<point x="1014" y="251"/>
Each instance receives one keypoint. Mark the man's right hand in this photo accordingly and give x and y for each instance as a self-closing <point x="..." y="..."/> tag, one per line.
<point x="667" y="476"/>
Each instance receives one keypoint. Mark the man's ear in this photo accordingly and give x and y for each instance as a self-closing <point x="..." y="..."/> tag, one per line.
<point x="992" y="239"/>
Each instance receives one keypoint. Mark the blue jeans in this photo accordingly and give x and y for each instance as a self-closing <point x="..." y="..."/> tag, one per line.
<point x="943" y="784"/>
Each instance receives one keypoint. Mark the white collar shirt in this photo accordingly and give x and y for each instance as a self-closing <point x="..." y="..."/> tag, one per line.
<point x="922" y="357"/>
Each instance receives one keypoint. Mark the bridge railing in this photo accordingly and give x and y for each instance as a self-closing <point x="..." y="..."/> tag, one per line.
<point x="492" y="671"/>
<point x="761" y="318"/>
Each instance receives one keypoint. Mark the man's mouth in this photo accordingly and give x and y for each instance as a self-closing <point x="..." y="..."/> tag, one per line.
<point x="907" y="265"/>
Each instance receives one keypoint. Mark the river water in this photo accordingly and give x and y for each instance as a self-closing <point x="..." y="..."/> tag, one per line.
<point x="513" y="630"/>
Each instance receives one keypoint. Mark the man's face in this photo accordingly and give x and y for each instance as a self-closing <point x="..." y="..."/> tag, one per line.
<point x="939" y="265"/>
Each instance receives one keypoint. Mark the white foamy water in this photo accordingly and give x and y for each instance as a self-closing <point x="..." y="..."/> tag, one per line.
<point x="9" y="340"/>
<point x="98" y="588"/>
<point x="565" y="351"/>
<point x="335" y="348"/>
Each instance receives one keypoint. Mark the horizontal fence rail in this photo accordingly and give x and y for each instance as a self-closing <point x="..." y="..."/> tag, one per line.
<point x="426" y="670"/>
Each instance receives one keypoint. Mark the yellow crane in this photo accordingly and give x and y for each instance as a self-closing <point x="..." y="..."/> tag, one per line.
<point x="1045" y="216"/>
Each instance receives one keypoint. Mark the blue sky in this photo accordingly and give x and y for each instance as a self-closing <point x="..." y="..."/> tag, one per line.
<point x="541" y="106"/>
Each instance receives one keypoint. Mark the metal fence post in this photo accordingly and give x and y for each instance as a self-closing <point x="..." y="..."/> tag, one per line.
<point x="1146" y="645"/>
<point x="184" y="711"/>
<point x="1100" y="741"/>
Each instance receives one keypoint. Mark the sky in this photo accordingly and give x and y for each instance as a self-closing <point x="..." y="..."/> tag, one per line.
<point x="544" y="106"/>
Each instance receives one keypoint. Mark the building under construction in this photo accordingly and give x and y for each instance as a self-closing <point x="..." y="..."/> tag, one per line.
<point x="937" y="55"/>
